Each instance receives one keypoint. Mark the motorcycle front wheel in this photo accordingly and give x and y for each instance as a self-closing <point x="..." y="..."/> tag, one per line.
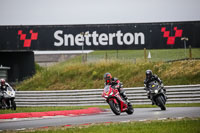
<point x="160" y="103"/>
<point x="114" y="107"/>
<point x="13" y="104"/>
<point x="130" y="110"/>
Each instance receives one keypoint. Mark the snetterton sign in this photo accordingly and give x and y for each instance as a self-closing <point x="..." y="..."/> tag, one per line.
<point x="99" y="37"/>
<point x="94" y="38"/>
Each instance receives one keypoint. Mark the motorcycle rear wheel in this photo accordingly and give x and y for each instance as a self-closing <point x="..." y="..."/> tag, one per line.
<point x="114" y="107"/>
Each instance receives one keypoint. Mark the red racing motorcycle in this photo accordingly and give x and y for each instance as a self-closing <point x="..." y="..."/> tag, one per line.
<point x="116" y="102"/>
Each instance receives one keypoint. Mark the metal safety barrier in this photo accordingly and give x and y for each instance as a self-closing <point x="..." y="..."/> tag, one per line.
<point x="136" y="95"/>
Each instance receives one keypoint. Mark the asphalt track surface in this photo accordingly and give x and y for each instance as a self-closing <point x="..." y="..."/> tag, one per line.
<point x="140" y="114"/>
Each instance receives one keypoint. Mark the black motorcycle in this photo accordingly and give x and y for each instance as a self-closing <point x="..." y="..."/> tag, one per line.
<point x="157" y="94"/>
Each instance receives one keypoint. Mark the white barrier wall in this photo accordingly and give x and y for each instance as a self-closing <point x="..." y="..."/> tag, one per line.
<point x="137" y="95"/>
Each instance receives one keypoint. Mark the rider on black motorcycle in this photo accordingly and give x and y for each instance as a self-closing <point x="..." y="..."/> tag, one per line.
<point x="116" y="84"/>
<point x="152" y="77"/>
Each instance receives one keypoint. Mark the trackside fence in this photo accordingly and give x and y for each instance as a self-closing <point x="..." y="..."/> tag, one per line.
<point x="137" y="95"/>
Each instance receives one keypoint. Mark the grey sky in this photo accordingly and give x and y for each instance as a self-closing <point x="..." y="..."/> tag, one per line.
<point x="42" y="12"/>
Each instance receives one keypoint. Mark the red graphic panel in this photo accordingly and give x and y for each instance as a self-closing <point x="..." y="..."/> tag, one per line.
<point x="163" y="29"/>
<point x="166" y="34"/>
<point x="27" y="42"/>
<point x="178" y="33"/>
<point x="34" y="36"/>
<point x="23" y="37"/>
<point x="171" y="39"/>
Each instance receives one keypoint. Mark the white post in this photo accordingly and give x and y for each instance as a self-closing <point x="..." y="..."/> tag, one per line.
<point x="185" y="47"/>
<point x="184" y="39"/>
<point x="82" y="33"/>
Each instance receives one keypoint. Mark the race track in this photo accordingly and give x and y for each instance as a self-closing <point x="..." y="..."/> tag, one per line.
<point x="140" y="114"/>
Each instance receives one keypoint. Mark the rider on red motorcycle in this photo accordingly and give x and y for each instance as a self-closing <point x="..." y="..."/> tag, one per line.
<point x="116" y="84"/>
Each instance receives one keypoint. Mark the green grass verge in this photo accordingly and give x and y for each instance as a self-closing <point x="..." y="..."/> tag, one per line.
<point x="70" y="76"/>
<point x="164" y="126"/>
<point x="138" y="55"/>
<point x="43" y="109"/>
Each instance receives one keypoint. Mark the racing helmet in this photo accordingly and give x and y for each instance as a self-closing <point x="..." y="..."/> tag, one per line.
<point x="149" y="74"/>
<point x="107" y="78"/>
<point x="2" y="82"/>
